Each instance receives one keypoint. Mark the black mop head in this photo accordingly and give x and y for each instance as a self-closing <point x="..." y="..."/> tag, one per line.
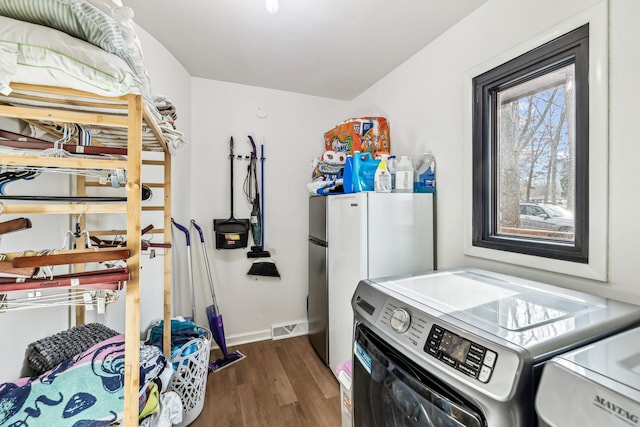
<point x="258" y="252"/>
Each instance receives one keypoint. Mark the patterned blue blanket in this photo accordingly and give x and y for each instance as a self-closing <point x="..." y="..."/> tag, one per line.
<point x="85" y="391"/>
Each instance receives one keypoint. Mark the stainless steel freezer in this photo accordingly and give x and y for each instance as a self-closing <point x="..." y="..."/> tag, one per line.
<point x="317" y="300"/>
<point x="358" y="236"/>
<point x="372" y="235"/>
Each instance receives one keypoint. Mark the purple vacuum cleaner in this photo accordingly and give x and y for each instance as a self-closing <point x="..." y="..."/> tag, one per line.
<point x="215" y="318"/>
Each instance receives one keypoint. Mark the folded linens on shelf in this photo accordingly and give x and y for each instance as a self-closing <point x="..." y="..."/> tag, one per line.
<point x="46" y="353"/>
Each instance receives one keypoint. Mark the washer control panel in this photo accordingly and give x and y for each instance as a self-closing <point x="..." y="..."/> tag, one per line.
<point x="462" y="354"/>
<point x="409" y="328"/>
<point x="400" y="320"/>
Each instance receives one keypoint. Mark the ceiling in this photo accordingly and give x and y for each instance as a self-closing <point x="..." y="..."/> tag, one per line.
<point x="328" y="48"/>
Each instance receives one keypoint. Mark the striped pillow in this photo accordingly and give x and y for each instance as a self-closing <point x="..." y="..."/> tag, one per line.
<point x="31" y="53"/>
<point x="77" y="18"/>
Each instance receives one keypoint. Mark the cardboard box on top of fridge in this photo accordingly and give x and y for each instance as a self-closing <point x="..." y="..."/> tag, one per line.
<point x="365" y="134"/>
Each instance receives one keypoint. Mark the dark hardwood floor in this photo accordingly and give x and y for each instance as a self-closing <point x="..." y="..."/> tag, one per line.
<point x="279" y="383"/>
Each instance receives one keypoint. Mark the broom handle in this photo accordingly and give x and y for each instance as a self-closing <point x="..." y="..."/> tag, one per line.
<point x="187" y="236"/>
<point x="206" y="264"/>
<point x="262" y="195"/>
<point x="231" y="178"/>
<point x="183" y="229"/>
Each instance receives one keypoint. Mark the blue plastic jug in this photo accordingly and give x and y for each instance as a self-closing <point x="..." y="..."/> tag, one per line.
<point x="347" y="178"/>
<point x="364" y="171"/>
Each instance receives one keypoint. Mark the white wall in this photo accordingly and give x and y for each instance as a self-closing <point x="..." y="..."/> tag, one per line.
<point x="168" y="78"/>
<point x="424" y="101"/>
<point x="624" y="150"/>
<point x="292" y="133"/>
<point x="171" y="79"/>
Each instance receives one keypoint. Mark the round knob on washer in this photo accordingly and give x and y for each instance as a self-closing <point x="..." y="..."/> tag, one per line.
<point x="400" y="320"/>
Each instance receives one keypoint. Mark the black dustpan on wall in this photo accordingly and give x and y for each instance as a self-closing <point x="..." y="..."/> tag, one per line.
<point x="231" y="233"/>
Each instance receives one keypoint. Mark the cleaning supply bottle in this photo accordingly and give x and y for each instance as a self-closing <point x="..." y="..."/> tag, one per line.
<point x="425" y="181"/>
<point x="347" y="178"/>
<point x="382" y="177"/>
<point x="364" y="170"/>
<point x="404" y="175"/>
<point x="391" y="165"/>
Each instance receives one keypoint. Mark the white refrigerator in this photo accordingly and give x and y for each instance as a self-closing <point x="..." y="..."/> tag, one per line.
<point x="372" y="235"/>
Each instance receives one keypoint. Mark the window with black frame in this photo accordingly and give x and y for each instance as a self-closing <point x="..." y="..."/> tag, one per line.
<point x="531" y="152"/>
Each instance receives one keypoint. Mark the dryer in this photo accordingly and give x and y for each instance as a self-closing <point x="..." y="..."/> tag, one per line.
<point x="465" y="347"/>
<point x="597" y="385"/>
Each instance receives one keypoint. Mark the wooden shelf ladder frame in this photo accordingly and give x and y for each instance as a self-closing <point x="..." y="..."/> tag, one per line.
<point x="132" y="120"/>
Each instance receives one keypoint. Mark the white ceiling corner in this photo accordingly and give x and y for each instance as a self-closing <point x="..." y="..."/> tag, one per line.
<point x="328" y="48"/>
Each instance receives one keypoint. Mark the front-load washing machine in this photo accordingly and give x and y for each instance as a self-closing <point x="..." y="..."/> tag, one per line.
<point x="465" y="347"/>
<point x="595" y="386"/>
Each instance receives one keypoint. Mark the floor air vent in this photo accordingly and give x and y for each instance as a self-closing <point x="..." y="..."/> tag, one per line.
<point x="289" y="330"/>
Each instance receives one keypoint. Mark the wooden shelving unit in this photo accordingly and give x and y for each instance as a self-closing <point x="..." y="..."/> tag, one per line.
<point x="117" y="122"/>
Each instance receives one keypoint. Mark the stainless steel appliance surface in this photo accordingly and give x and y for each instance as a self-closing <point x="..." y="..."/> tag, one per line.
<point x="317" y="300"/>
<point x="353" y="237"/>
<point x="466" y="347"/>
<point x="596" y="385"/>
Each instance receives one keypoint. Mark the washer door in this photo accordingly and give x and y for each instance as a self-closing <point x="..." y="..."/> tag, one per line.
<point x="391" y="390"/>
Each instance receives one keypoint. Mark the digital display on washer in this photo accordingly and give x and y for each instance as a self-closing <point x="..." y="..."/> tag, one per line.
<point x="461" y="354"/>
<point x="455" y="346"/>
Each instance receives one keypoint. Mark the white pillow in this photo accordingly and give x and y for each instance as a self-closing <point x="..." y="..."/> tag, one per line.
<point x="123" y="15"/>
<point x="45" y="56"/>
<point x="8" y="66"/>
<point x="93" y="21"/>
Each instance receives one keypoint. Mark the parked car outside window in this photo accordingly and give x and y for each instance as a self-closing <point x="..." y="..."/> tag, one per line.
<point x="546" y="216"/>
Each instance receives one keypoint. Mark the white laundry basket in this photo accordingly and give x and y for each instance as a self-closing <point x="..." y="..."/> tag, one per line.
<point x="189" y="381"/>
